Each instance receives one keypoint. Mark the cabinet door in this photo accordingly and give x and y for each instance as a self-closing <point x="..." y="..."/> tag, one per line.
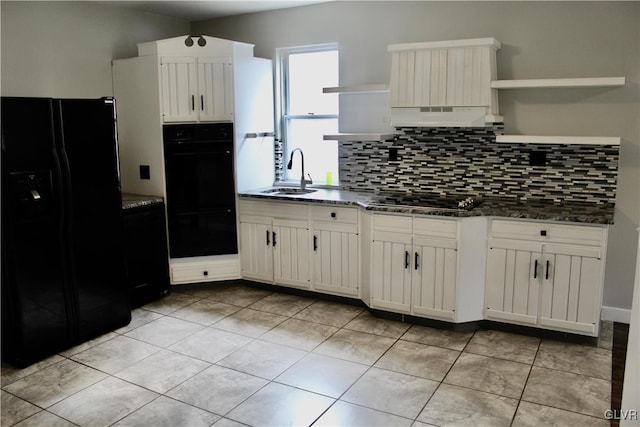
<point x="214" y="100"/>
<point x="179" y="89"/>
<point x="513" y="275"/>
<point x="335" y="259"/>
<point x="256" y="252"/>
<point x="291" y="253"/>
<point x="433" y="279"/>
<point x="571" y="288"/>
<point x="391" y="271"/>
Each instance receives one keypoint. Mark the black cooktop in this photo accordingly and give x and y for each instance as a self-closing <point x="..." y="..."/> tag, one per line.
<point x="427" y="200"/>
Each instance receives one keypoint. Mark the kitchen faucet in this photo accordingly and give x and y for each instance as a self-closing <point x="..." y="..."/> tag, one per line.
<point x="303" y="181"/>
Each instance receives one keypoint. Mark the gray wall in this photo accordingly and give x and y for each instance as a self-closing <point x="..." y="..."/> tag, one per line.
<point x="64" y="49"/>
<point x="539" y="40"/>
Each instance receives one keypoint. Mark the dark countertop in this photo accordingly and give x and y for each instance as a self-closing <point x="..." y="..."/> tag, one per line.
<point x="538" y="209"/>
<point x="130" y="201"/>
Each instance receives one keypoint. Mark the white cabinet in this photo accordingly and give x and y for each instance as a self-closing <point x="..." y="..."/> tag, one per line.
<point x="196" y="89"/>
<point x="414" y="265"/>
<point x="546" y="275"/>
<point x="336" y="249"/>
<point x="274" y="243"/>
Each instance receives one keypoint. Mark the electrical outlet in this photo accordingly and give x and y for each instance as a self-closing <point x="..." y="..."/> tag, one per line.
<point x="537" y="158"/>
<point x="393" y="154"/>
<point x="145" y="172"/>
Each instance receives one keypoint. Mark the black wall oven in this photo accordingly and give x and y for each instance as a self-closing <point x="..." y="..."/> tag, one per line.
<point x="200" y="189"/>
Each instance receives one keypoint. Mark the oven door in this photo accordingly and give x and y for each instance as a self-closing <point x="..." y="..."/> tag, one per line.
<point x="203" y="233"/>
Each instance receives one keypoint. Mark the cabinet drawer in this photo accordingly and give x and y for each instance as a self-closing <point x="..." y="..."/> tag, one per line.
<point x="548" y="232"/>
<point x="192" y="273"/>
<point x="334" y="214"/>
<point x="435" y="227"/>
<point x="392" y="223"/>
<point x="286" y="210"/>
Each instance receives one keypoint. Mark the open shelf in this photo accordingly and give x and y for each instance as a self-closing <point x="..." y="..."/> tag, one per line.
<point x="537" y="139"/>
<point x="558" y="83"/>
<point x="358" y="137"/>
<point x="358" y="88"/>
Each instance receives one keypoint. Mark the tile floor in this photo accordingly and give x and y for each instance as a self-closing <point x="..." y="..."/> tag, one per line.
<point x="236" y="355"/>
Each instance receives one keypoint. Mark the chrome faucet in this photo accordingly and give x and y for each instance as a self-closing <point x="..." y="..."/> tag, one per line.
<point x="303" y="181"/>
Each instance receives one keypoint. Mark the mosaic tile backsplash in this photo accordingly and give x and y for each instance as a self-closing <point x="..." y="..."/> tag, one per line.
<point x="468" y="161"/>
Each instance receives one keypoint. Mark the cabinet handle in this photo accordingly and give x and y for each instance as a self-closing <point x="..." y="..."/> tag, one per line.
<point x="274" y="239"/>
<point x="546" y="274"/>
<point x="206" y="273"/>
<point x="268" y="242"/>
<point x="415" y="261"/>
<point x="193" y="102"/>
<point x="315" y="243"/>
<point x="202" y="102"/>
<point x="535" y="270"/>
<point x="407" y="259"/>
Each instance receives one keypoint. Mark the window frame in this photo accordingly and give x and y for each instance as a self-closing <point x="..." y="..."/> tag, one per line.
<point x="282" y="105"/>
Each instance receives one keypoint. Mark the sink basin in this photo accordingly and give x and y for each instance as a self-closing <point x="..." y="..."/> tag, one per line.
<point x="288" y="190"/>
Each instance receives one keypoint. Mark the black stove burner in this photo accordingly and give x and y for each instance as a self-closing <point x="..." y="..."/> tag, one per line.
<point x="426" y="200"/>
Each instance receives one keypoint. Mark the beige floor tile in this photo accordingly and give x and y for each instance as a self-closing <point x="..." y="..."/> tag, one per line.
<point x="170" y="303"/>
<point x="497" y="376"/>
<point x="366" y="322"/>
<point x="282" y="304"/>
<point x="438" y="337"/>
<point x="346" y="414"/>
<point x="241" y="296"/>
<point x="44" y="419"/>
<point x="88" y="344"/>
<point x="226" y="422"/>
<point x="503" y="345"/>
<point x="281" y="405"/>
<point x="576" y="358"/>
<point x="322" y="374"/>
<point x="564" y="390"/>
<point x="418" y="359"/>
<point x="217" y="389"/>
<point x="205" y="312"/>
<point x="457" y="406"/>
<point x="387" y="391"/>
<point x="210" y="344"/>
<point x="533" y="415"/>
<point x="299" y="334"/>
<point x="116" y="354"/>
<point x="165" y="412"/>
<point x="605" y="339"/>
<point x="54" y="383"/>
<point x="15" y="409"/>
<point x="262" y="359"/>
<point x="163" y="371"/>
<point x="165" y="331"/>
<point x="329" y="313"/>
<point x="103" y="403"/>
<point x="355" y="346"/>
<point x="139" y="317"/>
<point x="11" y="374"/>
<point x="252" y="323"/>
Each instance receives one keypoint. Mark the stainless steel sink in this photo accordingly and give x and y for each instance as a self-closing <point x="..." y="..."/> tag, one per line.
<point x="288" y="190"/>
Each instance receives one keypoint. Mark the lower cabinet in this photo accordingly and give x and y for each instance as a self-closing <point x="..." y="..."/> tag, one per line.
<point x="414" y="268"/>
<point x="274" y="240"/>
<point x="546" y="275"/>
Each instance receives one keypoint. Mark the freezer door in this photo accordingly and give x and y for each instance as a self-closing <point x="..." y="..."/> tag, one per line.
<point x="35" y="319"/>
<point x="89" y="152"/>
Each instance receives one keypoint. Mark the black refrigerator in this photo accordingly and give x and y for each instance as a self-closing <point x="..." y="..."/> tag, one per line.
<point x="63" y="270"/>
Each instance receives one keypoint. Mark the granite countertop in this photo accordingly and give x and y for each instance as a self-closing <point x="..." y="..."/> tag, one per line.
<point x="538" y="209"/>
<point x="130" y="201"/>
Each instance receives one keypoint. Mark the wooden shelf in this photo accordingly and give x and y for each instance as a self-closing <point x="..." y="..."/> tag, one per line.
<point x="558" y="83"/>
<point x="358" y="137"/>
<point x="537" y="139"/>
<point x="358" y="88"/>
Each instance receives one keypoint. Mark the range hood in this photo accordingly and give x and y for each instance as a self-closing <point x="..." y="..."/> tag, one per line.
<point x="444" y="83"/>
<point x="439" y="116"/>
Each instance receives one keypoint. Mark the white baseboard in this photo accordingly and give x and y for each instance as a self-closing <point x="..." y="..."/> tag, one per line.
<point x="616" y="314"/>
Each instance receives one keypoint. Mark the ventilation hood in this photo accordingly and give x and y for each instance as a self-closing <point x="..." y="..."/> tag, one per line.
<point x="439" y="117"/>
<point x="444" y="83"/>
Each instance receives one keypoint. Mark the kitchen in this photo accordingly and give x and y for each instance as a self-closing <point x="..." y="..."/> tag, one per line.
<point x="538" y="41"/>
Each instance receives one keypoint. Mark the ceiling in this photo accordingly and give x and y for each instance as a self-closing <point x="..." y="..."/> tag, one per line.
<point x="202" y="10"/>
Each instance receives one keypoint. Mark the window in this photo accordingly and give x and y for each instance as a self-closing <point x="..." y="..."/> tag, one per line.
<point x="306" y="114"/>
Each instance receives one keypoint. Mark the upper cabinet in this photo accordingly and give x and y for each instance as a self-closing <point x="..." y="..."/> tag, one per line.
<point x="456" y="75"/>
<point x="196" y="89"/>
